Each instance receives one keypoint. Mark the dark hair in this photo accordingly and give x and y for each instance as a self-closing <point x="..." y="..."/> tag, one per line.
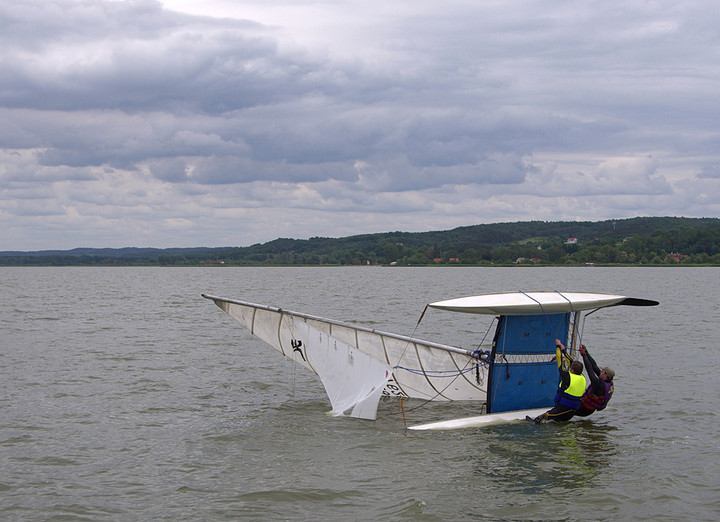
<point x="576" y="367"/>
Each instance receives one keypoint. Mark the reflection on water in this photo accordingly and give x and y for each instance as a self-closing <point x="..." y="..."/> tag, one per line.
<point x="567" y="455"/>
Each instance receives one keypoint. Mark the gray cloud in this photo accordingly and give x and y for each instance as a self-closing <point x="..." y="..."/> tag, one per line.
<point x="131" y="123"/>
<point x="710" y="172"/>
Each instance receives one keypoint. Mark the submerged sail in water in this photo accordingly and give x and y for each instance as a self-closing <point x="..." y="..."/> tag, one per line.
<point x="352" y="379"/>
<point x="417" y="369"/>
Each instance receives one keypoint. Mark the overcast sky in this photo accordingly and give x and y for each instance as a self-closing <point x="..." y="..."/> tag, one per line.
<point x="231" y="122"/>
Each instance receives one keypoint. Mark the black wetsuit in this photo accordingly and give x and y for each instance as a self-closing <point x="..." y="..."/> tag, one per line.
<point x="559" y="413"/>
<point x="596" y="384"/>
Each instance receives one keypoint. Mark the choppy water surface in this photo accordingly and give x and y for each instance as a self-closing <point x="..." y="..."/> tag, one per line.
<point x="125" y="395"/>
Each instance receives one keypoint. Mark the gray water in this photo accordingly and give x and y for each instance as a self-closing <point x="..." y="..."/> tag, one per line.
<point x="125" y="395"/>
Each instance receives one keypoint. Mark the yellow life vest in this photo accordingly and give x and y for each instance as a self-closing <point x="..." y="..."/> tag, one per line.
<point x="577" y="385"/>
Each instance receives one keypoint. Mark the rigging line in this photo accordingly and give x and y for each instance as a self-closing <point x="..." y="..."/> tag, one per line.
<point x="454" y="373"/>
<point x="293" y="366"/>
<point x="293" y="373"/>
<point x="499" y="335"/>
<point x="422" y="315"/>
<point x="436" y="373"/>
<point x="488" y="359"/>
<point x="576" y="332"/>
<point x="572" y="314"/>
<point x="568" y="300"/>
<point x="486" y="333"/>
<point x="582" y="331"/>
<point x="503" y="335"/>
<point x="542" y="309"/>
<point x="507" y="366"/>
<point x="439" y="392"/>
<point x="459" y="373"/>
<point x="407" y="343"/>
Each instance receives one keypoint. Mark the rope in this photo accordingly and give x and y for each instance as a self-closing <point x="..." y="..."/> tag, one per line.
<point x="438" y="373"/>
<point x="545" y="314"/>
<point x="483" y="356"/>
<point x="568" y="300"/>
<point x="460" y="372"/>
<point x="542" y="309"/>
<point x="407" y="344"/>
<point x="572" y="315"/>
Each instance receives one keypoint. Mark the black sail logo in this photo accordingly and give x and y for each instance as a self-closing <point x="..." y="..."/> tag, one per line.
<point x="297" y="347"/>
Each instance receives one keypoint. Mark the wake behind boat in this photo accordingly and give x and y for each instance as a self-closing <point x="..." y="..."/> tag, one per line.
<point x="359" y="365"/>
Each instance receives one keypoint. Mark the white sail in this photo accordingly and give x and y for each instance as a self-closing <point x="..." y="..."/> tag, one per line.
<point x="420" y="369"/>
<point x="352" y="379"/>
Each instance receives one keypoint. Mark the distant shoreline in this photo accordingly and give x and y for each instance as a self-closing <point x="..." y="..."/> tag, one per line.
<point x="595" y="265"/>
<point x="648" y="241"/>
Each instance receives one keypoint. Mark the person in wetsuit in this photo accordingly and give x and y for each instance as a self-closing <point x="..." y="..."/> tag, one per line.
<point x="600" y="390"/>
<point x="570" y="391"/>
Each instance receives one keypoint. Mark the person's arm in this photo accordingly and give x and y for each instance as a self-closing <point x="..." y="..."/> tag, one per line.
<point x="593" y="371"/>
<point x="564" y="379"/>
<point x="562" y="357"/>
<point x="563" y="364"/>
<point x="589" y="361"/>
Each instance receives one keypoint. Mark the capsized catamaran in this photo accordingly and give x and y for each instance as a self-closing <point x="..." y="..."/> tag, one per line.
<point x="358" y="365"/>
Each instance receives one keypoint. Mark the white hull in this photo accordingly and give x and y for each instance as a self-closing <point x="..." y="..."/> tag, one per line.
<point x="480" y="420"/>
<point x="529" y="303"/>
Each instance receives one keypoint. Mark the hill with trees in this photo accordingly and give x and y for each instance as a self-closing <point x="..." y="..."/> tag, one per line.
<point x="635" y="241"/>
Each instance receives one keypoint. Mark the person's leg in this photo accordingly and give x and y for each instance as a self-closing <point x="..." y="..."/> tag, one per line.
<point x="557" y="414"/>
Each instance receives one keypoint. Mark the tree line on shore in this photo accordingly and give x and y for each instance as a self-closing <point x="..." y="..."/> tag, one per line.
<point x="635" y="241"/>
